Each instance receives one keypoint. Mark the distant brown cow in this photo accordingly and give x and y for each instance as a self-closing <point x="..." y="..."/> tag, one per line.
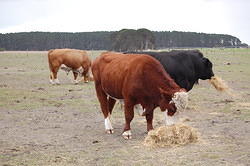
<point x="138" y="80"/>
<point x="75" y="60"/>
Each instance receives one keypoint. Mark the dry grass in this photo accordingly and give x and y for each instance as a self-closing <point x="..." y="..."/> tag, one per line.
<point x="179" y="134"/>
<point x="219" y="84"/>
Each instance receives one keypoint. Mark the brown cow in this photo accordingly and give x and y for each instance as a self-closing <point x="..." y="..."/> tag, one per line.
<point x="138" y="80"/>
<point x="75" y="60"/>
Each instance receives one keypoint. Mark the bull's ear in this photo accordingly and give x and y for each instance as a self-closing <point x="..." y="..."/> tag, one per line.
<point x="161" y="90"/>
<point x="183" y="90"/>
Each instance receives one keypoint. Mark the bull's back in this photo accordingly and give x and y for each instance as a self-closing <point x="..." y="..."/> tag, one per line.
<point x="117" y="64"/>
<point x="109" y="70"/>
<point x="70" y="57"/>
<point x="118" y="73"/>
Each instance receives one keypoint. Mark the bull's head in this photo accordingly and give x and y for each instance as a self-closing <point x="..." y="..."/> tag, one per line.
<point x="173" y="102"/>
<point x="206" y="69"/>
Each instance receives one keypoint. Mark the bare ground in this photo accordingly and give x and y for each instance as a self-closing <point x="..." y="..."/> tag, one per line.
<point x="41" y="124"/>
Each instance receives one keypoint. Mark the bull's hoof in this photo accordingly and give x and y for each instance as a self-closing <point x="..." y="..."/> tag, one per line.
<point x="51" y="82"/>
<point x="57" y="82"/>
<point x="110" y="131"/>
<point x="127" y="134"/>
<point x="75" y="82"/>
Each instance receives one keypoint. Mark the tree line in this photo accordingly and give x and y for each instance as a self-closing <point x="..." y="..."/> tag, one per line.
<point x="132" y="40"/>
<point x="123" y="40"/>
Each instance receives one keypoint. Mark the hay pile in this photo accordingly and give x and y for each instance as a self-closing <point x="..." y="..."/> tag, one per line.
<point x="178" y="134"/>
<point x="219" y="84"/>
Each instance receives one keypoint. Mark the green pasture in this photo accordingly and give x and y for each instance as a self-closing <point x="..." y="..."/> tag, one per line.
<point x="24" y="78"/>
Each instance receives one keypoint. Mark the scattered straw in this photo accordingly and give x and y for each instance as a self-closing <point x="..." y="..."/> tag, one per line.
<point x="219" y="84"/>
<point x="178" y="134"/>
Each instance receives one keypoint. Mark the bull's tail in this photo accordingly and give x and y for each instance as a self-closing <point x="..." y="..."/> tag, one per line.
<point x="51" y="50"/>
<point x="50" y="65"/>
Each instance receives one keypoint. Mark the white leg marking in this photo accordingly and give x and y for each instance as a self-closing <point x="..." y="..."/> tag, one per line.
<point x="127" y="134"/>
<point x="108" y="126"/>
<point x="169" y="120"/>
<point x="139" y="109"/>
<point x="75" y="81"/>
<point x="57" y="81"/>
<point x="51" y="81"/>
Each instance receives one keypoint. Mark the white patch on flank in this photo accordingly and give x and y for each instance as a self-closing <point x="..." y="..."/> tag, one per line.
<point x="79" y="71"/>
<point x="65" y="68"/>
<point x="180" y="99"/>
<point x="169" y="120"/>
<point x="108" y="125"/>
<point x="114" y="97"/>
<point x="127" y="134"/>
<point x="121" y="101"/>
<point x="139" y="109"/>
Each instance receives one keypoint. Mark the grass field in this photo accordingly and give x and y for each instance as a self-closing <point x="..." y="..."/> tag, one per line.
<point x="42" y="124"/>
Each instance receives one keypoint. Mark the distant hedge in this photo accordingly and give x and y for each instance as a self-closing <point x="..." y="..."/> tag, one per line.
<point x="103" y="40"/>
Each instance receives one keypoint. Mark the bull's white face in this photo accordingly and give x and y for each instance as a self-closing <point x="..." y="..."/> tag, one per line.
<point x="180" y="99"/>
<point x="178" y="103"/>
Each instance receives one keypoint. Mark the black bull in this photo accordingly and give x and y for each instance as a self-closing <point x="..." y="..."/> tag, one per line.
<point x="186" y="67"/>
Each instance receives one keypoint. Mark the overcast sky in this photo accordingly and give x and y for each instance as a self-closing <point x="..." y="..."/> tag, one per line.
<point x="208" y="16"/>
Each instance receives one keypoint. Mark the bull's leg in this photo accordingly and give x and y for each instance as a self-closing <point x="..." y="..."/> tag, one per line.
<point x="111" y="104"/>
<point x="129" y="115"/>
<point x="86" y="78"/>
<point x="53" y="75"/>
<point x="86" y="73"/>
<point x="51" y="78"/>
<point x="75" y="74"/>
<point x="149" y="118"/>
<point x="102" y="97"/>
<point x="108" y="126"/>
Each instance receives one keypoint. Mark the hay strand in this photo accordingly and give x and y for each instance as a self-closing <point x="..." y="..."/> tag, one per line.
<point x="219" y="84"/>
<point x="178" y="134"/>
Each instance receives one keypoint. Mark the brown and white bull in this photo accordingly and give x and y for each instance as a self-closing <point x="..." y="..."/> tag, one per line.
<point x="138" y="80"/>
<point x="73" y="60"/>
